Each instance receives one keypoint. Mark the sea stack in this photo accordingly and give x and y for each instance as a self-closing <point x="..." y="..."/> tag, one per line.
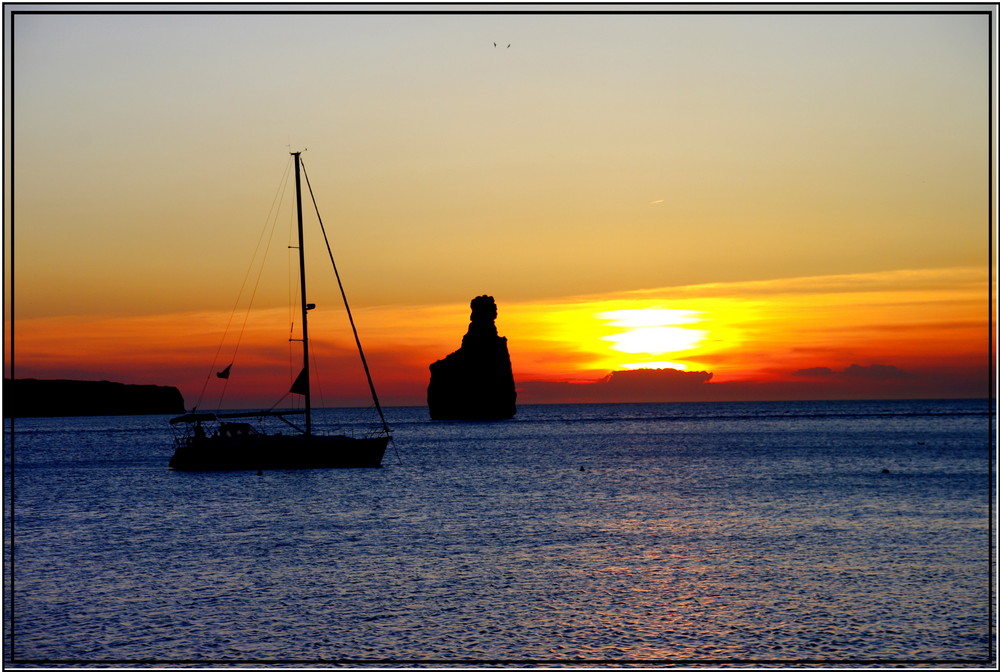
<point x="476" y="381"/>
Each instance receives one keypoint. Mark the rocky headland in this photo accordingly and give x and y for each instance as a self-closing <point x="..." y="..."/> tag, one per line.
<point x="32" y="398"/>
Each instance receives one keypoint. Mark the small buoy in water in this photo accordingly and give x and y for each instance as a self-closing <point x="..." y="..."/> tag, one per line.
<point x="885" y="471"/>
<point x="260" y="472"/>
<point x="582" y="469"/>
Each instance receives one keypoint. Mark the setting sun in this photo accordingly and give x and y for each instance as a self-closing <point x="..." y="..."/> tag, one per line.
<point x="652" y="331"/>
<point x="655" y="340"/>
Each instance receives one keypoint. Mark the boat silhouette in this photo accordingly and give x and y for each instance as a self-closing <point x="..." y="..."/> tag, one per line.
<point x="215" y="441"/>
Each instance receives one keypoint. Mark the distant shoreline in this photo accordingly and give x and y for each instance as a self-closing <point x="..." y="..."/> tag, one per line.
<point x="34" y="398"/>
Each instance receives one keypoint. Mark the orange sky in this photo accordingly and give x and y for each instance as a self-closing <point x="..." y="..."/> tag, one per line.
<point x="796" y="205"/>
<point x="890" y="334"/>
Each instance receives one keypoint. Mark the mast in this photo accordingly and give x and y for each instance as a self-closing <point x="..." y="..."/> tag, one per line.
<point x="303" y="379"/>
<point x="347" y="307"/>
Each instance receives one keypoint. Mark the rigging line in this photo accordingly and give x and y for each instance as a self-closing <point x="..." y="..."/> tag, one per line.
<point x="347" y="307"/>
<point x="275" y="203"/>
<point x="291" y="354"/>
<point x="283" y="397"/>
<point x="275" y="206"/>
<point x="314" y="364"/>
<point x="294" y="298"/>
<point x="392" y="440"/>
<point x="293" y="284"/>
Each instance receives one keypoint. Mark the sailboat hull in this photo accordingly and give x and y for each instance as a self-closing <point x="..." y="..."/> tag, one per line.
<point x="260" y="451"/>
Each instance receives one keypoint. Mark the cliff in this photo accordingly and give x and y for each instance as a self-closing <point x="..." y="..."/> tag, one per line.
<point x="476" y="381"/>
<point x="31" y="398"/>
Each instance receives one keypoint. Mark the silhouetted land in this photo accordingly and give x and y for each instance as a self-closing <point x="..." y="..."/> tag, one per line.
<point x="476" y="381"/>
<point x="31" y="398"/>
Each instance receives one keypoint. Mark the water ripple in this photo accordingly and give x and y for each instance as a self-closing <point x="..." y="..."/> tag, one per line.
<point x="782" y="541"/>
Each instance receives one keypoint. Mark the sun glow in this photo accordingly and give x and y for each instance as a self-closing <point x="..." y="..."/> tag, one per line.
<point x="655" y="365"/>
<point x="655" y="340"/>
<point x="652" y="332"/>
<point x="648" y="317"/>
<point x="595" y="335"/>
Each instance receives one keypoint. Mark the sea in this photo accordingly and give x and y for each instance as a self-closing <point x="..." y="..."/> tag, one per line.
<point x="621" y="535"/>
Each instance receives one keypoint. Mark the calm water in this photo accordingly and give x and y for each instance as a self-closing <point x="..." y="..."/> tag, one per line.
<point x="658" y="533"/>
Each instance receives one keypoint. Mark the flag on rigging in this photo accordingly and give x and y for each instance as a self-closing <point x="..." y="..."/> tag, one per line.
<point x="224" y="373"/>
<point x="301" y="384"/>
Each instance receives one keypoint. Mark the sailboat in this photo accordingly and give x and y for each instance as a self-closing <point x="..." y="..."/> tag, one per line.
<point x="222" y="442"/>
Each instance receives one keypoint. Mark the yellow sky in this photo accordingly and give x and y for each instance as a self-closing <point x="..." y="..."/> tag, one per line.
<point x="600" y="156"/>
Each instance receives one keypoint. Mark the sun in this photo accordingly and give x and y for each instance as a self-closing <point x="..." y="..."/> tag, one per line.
<point x="653" y="332"/>
<point x="655" y="340"/>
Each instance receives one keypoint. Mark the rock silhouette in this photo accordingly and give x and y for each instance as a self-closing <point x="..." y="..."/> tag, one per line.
<point x="476" y="381"/>
<point x="28" y="397"/>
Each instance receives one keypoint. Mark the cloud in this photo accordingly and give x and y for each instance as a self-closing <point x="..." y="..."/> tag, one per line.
<point x="856" y="371"/>
<point x="638" y="385"/>
<point x="876" y="381"/>
<point x="875" y="372"/>
<point x="655" y="378"/>
<point x="815" y="372"/>
<point x="958" y="283"/>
